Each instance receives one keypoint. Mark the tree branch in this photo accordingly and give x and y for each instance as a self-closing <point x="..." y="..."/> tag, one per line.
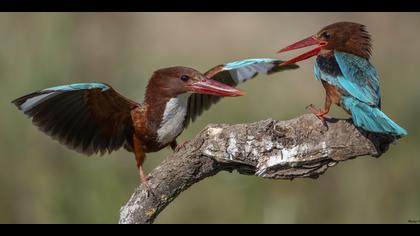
<point x="301" y="147"/>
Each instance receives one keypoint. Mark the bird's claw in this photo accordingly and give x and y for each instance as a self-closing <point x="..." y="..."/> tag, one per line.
<point x="179" y="146"/>
<point x="318" y="113"/>
<point x="144" y="180"/>
<point x="321" y="115"/>
<point x="312" y="108"/>
<point x="146" y="185"/>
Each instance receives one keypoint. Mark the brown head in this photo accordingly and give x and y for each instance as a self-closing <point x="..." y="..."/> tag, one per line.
<point x="341" y="36"/>
<point x="173" y="81"/>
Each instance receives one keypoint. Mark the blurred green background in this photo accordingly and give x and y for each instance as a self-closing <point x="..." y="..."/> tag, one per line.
<point x="43" y="182"/>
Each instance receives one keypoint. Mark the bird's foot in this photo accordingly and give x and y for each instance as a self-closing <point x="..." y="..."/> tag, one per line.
<point x="321" y="115"/>
<point x="318" y="113"/>
<point x="144" y="180"/>
<point x="180" y="146"/>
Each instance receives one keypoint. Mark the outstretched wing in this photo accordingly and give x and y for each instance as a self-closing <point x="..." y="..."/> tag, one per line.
<point x="86" y="117"/>
<point x="360" y="78"/>
<point x="232" y="74"/>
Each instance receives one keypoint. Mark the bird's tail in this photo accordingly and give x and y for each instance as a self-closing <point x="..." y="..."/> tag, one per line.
<point x="371" y="118"/>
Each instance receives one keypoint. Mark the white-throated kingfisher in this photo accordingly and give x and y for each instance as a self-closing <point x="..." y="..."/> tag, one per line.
<point x="349" y="79"/>
<point x="94" y="118"/>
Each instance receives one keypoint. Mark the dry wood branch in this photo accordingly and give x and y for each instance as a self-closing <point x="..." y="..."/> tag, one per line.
<point x="301" y="147"/>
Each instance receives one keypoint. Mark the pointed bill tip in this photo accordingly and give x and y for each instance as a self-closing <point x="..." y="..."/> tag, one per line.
<point x="213" y="87"/>
<point x="282" y="50"/>
<point x="241" y="93"/>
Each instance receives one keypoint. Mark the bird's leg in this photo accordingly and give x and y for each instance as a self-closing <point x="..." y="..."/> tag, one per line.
<point x="176" y="147"/>
<point x="327" y="106"/>
<point x="140" y="156"/>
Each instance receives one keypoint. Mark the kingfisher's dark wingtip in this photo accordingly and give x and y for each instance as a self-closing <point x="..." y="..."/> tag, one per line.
<point x="19" y="101"/>
<point x="290" y="66"/>
<point x="280" y="67"/>
<point x="16" y="100"/>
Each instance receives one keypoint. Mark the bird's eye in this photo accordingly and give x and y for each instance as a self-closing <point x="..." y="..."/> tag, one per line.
<point x="185" y="78"/>
<point x="326" y="35"/>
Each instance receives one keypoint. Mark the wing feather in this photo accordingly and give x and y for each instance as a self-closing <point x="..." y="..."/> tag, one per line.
<point x="360" y="78"/>
<point x="86" y="117"/>
<point x="233" y="74"/>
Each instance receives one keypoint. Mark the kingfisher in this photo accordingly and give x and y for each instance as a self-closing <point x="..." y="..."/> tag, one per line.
<point x="93" y="118"/>
<point x="350" y="81"/>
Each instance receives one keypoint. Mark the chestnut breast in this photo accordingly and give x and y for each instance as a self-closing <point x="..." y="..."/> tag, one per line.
<point x="332" y="92"/>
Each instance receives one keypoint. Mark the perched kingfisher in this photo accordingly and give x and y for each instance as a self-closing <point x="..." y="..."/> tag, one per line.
<point x="94" y="118"/>
<point x="350" y="81"/>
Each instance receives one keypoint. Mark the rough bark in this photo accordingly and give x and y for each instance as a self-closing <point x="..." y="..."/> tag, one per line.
<point x="301" y="147"/>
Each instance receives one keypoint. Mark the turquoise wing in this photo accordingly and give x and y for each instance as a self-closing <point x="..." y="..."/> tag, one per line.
<point x="360" y="78"/>
<point x="358" y="82"/>
<point x="232" y="74"/>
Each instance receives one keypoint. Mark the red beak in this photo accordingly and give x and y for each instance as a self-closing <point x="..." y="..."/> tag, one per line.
<point x="212" y="87"/>
<point x="301" y="44"/>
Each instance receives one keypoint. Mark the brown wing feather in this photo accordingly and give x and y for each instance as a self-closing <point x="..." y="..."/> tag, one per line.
<point x="86" y="120"/>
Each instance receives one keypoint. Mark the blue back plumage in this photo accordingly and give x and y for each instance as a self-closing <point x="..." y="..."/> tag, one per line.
<point x="358" y="80"/>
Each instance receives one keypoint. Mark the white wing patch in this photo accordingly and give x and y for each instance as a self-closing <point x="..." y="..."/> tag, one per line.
<point x="241" y="71"/>
<point x="32" y="102"/>
<point x="53" y="91"/>
<point x="173" y="118"/>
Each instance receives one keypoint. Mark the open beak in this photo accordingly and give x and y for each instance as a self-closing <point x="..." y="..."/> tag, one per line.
<point x="301" y="44"/>
<point x="212" y="87"/>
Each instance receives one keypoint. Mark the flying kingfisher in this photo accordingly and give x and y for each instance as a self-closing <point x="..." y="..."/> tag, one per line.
<point x="94" y="118"/>
<point x="349" y="79"/>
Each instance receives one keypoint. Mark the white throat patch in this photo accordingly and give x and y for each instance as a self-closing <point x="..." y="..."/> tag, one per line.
<point x="173" y="118"/>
